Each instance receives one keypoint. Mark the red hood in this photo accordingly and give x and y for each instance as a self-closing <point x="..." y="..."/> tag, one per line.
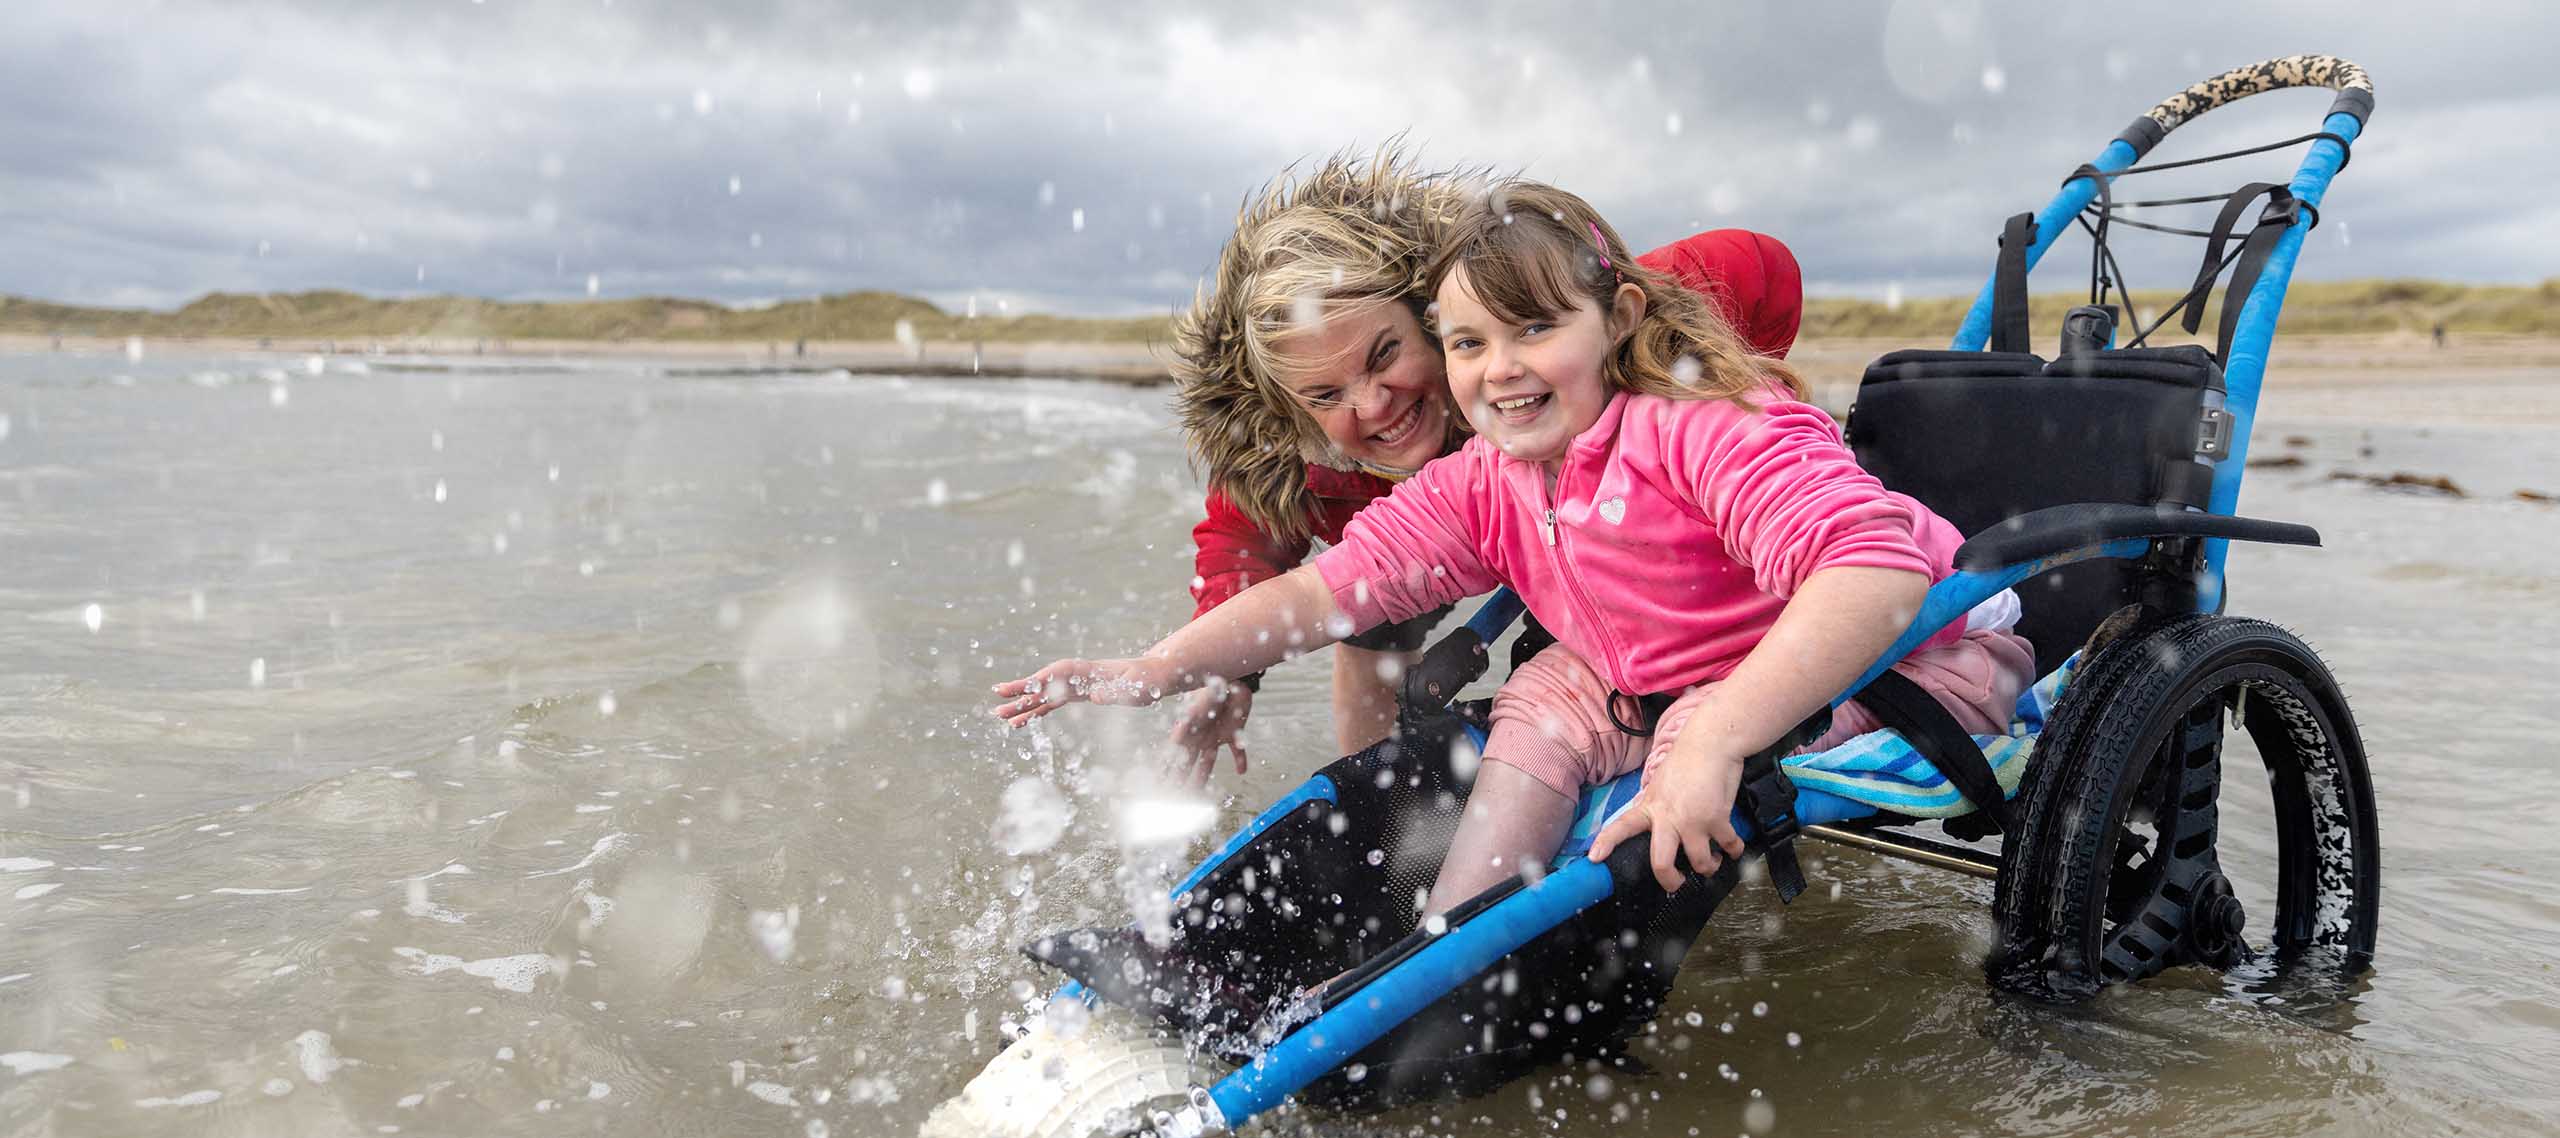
<point x="1751" y="277"/>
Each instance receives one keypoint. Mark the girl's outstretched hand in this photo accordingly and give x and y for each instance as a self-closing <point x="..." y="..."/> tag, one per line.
<point x="1124" y="683"/>
<point x="1687" y="804"/>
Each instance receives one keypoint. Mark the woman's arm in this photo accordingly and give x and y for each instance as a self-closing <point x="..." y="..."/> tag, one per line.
<point x="1268" y="623"/>
<point x="1837" y="624"/>
<point x="1231" y="553"/>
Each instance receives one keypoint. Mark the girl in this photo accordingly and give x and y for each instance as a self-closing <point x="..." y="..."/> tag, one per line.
<point x="1665" y="503"/>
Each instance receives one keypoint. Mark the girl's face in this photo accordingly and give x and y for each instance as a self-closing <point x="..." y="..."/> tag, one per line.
<point x="1532" y="386"/>
<point x="1378" y="395"/>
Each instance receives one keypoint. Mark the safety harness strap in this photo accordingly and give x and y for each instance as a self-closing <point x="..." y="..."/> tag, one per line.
<point x="2283" y="209"/>
<point x="1770" y="796"/>
<point x="1922" y="721"/>
<point x="2223" y="224"/>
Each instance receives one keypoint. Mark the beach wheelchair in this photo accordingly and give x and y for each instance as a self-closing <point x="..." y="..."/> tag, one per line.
<point x="2101" y="486"/>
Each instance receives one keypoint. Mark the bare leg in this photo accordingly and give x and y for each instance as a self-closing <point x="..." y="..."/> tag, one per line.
<point x="1364" y="700"/>
<point x="1512" y="820"/>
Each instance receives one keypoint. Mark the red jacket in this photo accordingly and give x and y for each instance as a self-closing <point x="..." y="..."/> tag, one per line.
<point x="1755" y="285"/>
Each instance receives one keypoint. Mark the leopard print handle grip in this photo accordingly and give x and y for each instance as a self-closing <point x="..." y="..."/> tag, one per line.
<point x="2354" y="88"/>
<point x="2241" y="82"/>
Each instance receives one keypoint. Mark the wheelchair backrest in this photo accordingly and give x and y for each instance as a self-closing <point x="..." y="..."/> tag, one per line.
<point x="1981" y="437"/>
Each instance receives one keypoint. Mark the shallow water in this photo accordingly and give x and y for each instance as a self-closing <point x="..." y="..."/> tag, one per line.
<point x="595" y="748"/>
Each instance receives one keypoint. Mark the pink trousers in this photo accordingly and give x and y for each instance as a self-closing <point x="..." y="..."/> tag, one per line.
<point x="1551" y="719"/>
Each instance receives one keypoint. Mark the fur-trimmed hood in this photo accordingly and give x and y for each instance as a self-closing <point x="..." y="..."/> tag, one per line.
<point x="1253" y="439"/>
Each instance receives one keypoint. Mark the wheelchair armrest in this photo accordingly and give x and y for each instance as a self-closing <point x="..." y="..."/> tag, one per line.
<point x="1461" y="657"/>
<point x="2059" y="529"/>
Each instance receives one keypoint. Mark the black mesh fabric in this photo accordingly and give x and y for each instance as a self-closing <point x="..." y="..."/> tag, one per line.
<point x="1305" y="903"/>
<point x="1985" y="436"/>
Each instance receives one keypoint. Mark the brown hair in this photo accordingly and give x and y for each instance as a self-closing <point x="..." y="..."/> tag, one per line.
<point x="1533" y="251"/>
<point x="1350" y="232"/>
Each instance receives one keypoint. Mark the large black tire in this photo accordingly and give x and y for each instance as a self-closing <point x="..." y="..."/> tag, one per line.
<point x="2114" y="873"/>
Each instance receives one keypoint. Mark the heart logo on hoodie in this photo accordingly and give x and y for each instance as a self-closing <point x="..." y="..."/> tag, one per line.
<point x="1615" y="509"/>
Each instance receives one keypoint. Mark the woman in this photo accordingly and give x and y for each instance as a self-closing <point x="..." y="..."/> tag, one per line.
<point x="1308" y="387"/>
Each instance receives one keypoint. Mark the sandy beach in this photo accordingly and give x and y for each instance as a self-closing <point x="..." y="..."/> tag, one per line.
<point x="2475" y="378"/>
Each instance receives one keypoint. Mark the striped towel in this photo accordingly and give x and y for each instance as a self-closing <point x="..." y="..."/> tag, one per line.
<point x="1874" y="771"/>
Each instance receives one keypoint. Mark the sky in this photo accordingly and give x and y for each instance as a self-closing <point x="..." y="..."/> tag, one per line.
<point x="1088" y="158"/>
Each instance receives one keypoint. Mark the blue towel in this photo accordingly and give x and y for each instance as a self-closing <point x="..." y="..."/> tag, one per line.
<point x="1871" y="772"/>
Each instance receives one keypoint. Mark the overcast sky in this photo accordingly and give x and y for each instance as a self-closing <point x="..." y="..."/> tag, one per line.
<point x="1089" y="157"/>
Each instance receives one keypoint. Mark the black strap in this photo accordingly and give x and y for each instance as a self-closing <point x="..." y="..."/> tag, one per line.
<point x="2009" y="331"/>
<point x="1767" y="796"/>
<point x="2223" y="223"/>
<point x="2344" y="146"/>
<point x="1770" y="796"/>
<point x="2281" y="212"/>
<point x="2100" y="258"/>
<point x="1924" y="723"/>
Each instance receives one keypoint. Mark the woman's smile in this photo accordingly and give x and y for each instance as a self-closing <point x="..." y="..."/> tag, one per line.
<point x="1403" y="426"/>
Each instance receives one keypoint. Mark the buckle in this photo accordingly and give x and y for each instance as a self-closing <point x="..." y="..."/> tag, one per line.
<point x="2213" y="437"/>
<point x="1773" y="800"/>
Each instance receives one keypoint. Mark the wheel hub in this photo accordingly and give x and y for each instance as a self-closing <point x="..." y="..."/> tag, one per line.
<point x="2214" y="924"/>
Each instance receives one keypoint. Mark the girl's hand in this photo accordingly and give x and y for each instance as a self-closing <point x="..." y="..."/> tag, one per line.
<point x="1687" y="804"/>
<point x="1125" y="683"/>
<point x="1213" y="718"/>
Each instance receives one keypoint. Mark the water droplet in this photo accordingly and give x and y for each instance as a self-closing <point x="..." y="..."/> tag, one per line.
<point x="1759" y="1115"/>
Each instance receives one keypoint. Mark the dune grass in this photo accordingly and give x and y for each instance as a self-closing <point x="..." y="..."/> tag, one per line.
<point x="2370" y="306"/>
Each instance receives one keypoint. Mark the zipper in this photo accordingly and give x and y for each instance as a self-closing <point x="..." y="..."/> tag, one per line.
<point x="1589" y="612"/>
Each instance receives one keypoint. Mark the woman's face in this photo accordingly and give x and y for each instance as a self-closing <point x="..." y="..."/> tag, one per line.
<point x="1380" y="392"/>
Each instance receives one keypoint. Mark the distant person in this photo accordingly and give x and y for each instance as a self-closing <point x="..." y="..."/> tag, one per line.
<point x="1698" y="536"/>
<point x="2439" y="333"/>
<point x="1299" y="425"/>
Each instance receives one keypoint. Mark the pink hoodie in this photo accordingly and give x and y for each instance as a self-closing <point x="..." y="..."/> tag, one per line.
<point x="1674" y="534"/>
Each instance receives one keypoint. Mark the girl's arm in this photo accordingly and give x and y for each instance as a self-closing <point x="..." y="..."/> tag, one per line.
<point x="1268" y="623"/>
<point x="1835" y="625"/>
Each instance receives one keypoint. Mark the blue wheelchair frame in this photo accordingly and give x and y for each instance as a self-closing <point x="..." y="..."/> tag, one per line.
<point x="1466" y="950"/>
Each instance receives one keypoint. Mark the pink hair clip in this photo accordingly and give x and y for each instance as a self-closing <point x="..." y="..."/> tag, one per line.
<point x="1600" y="245"/>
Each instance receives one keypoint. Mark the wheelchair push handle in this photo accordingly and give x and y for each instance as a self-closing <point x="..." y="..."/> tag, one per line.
<point x="2354" y="88"/>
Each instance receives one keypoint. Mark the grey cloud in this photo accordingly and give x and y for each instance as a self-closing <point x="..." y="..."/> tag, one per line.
<point x="513" y="150"/>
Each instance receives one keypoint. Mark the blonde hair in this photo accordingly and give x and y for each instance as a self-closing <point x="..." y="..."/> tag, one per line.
<point x="1533" y="251"/>
<point x="1348" y="234"/>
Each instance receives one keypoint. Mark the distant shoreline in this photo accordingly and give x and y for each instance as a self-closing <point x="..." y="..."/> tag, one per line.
<point x="1128" y="362"/>
<point x="2499" y="376"/>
